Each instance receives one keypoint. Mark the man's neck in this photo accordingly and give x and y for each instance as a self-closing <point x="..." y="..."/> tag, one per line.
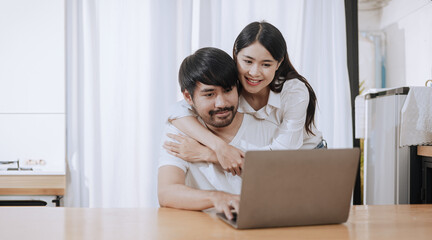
<point x="227" y="133"/>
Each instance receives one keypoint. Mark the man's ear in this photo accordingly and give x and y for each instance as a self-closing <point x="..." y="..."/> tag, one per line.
<point x="188" y="97"/>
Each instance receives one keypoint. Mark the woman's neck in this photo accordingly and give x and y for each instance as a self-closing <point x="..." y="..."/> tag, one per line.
<point x="257" y="100"/>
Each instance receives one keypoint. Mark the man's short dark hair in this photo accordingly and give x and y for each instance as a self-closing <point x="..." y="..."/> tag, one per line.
<point x="210" y="66"/>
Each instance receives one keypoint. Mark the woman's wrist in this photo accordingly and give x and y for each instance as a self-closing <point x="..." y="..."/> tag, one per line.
<point x="209" y="156"/>
<point x="218" y="144"/>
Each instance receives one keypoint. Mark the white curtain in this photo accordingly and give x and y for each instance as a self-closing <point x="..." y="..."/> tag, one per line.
<point x="118" y="88"/>
<point x="122" y="63"/>
<point x="324" y="64"/>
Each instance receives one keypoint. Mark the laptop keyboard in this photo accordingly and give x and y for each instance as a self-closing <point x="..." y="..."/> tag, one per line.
<point x="234" y="219"/>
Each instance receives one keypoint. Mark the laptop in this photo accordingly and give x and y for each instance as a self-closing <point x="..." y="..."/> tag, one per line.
<point x="296" y="188"/>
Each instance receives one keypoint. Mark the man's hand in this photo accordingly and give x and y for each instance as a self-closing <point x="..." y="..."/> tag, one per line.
<point x="173" y="192"/>
<point x="230" y="158"/>
<point x="189" y="149"/>
<point x="225" y="202"/>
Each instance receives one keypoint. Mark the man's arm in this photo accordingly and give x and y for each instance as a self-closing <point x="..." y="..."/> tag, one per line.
<point x="173" y="192"/>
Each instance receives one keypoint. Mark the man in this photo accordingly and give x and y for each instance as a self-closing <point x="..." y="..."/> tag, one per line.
<point x="209" y="83"/>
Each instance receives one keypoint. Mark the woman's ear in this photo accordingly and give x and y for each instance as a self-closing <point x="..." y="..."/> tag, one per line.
<point x="187" y="97"/>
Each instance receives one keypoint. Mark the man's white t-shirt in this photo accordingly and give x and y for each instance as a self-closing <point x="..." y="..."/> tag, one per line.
<point x="253" y="134"/>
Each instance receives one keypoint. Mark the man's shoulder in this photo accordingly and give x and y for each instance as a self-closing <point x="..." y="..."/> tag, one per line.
<point x="170" y="128"/>
<point x="164" y="157"/>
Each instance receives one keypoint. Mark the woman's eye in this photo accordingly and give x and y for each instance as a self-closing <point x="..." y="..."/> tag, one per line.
<point x="247" y="61"/>
<point x="266" y="65"/>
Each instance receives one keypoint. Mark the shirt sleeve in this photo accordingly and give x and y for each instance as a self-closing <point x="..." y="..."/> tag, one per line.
<point x="164" y="157"/>
<point x="180" y="109"/>
<point x="294" y="103"/>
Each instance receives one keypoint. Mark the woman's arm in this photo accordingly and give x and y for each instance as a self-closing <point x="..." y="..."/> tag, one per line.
<point x="183" y="118"/>
<point x="294" y="103"/>
<point x="189" y="149"/>
<point x="229" y="157"/>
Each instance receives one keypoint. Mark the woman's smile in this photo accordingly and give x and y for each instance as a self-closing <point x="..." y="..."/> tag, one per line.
<point x="252" y="81"/>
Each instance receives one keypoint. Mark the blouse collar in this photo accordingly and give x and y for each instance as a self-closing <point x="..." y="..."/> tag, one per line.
<point x="274" y="102"/>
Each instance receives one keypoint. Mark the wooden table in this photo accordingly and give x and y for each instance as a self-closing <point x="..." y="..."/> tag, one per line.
<point x="365" y="222"/>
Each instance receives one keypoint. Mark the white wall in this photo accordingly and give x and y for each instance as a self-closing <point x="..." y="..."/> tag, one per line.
<point x="369" y="20"/>
<point x="407" y="27"/>
<point x="32" y="69"/>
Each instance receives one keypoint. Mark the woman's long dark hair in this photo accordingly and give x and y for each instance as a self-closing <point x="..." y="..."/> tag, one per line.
<point x="271" y="38"/>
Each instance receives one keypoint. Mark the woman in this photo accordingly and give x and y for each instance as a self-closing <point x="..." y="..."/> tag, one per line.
<point x="272" y="91"/>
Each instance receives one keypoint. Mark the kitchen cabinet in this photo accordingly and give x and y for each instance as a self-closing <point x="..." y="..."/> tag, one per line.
<point x="32" y="59"/>
<point x="32" y="100"/>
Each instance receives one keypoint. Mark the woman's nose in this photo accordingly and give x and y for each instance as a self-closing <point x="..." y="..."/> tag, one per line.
<point x="253" y="70"/>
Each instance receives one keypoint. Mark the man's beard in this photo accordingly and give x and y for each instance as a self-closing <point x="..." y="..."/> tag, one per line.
<point x="221" y="122"/>
<point x="210" y="119"/>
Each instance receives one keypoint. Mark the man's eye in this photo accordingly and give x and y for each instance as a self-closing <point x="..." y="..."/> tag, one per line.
<point x="228" y="90"/>
<point x="209" y="94"/>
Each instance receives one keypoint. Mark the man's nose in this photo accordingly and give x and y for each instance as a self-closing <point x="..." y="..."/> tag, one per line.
<point x="220" y="101"/>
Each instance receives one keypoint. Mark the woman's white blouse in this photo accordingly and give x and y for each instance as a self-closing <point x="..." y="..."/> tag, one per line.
<point x="286" y="109"/>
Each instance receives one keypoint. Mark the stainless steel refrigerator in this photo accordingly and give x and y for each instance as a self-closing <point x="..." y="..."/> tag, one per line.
<point x="386" y="165"/>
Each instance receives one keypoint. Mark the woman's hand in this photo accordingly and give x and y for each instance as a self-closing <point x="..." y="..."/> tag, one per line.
<point x="230" y="158"/>
<point x="189" y="149"/>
